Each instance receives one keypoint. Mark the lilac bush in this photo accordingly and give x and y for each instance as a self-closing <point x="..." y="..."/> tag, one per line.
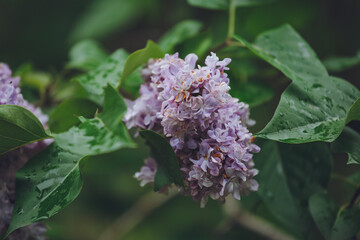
<point x="205" y="125"/>
<point x="12" y="161"/>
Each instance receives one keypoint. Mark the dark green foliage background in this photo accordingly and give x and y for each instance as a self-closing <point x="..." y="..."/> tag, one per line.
<point x="42" y="33"/>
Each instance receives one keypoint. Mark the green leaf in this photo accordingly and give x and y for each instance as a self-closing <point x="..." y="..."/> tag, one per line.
<point x="179" y="33"/>
<point x="109" y="72"/>
<point x="354" y="112"/>
<point x="114" y="109"/>
<point x="33" y="79"/>
<point x="103" y="134"/>
<point x="86" y="55"/>
<point x="347" y="224"/>
<point x="18" y="127"/>
<point x="140" y="57"/>
<point x="92" y="137"/>
<point x="333" y="223"/>
<point x="323" y="209"/>
<point x="273" y="189"/>
<point x="66" y="113"/>
<point x="198" y="44"/>
<point x="253" y="93"/>
<point x="102" y="17"/>
<point x="45" y="185"/>
<point x="348" y="142"/>
<point x="63" y="90"/>
<point x="338" y="64"/>
<point x="288" y="176"/>
<point x="132" y="83"/>
<point x="315" y="106"/>
<point x="224" y="4"/>
<point x="52" y="179"/>
<point x="168" y="170"/>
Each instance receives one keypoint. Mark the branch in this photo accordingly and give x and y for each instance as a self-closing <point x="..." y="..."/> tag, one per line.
<point x="251" y="222"/>
<point x="354" y="198"/>
<point x="231" y="27"/>
<point x="140" y="210"/>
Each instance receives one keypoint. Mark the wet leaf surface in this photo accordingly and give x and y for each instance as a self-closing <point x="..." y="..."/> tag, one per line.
<point x="315" y="106"/>
<point x="108" y="72"/>
<point x="52" y="179"/>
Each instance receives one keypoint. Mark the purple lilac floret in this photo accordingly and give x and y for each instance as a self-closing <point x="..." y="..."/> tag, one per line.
<point x="10" y="162"/>
<point x="206" y="127"/>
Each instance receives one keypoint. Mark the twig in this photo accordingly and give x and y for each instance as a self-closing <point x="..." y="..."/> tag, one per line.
<point x="231" y="26"/>
<point x="218" y="47"/>
<point x="252" y="222"/>
<point x="140" y="210"/>
<point x="354" y="198"/>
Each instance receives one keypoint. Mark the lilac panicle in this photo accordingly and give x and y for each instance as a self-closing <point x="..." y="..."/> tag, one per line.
<point x="12" y="161"/>
<point x="206" y="127"/>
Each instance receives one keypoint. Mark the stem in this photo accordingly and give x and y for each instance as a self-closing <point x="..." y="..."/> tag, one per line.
<point x="231" y="27"/>
<point x="252" y="222"/>
<point x="219" y="47"/>
<point x="139" y="211"/>
<point x="354" y="198"/>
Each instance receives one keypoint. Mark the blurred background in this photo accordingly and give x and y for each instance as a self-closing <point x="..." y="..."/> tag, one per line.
<point x="40" y="33"/>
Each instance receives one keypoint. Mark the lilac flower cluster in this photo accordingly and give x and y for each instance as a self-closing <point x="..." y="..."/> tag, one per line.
<point x="12" y="161"/>
<point x="206" y="127"/>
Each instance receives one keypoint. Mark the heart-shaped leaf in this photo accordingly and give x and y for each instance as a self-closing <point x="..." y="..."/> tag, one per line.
<point x="315" y="106"/>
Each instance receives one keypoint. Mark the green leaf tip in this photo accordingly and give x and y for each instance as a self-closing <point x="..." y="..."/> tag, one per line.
<point x="18" y="127"/>
<point x="140" y="57"/>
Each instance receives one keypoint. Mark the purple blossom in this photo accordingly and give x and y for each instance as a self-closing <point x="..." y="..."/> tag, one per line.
<point x="147" y="172"/>
<point x="206" y="127"/>
<point x="12" y="161"/>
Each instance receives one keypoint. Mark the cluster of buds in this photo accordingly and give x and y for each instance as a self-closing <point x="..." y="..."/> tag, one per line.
<point x="10" y="162"/>
<point x="207" y="127"/>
